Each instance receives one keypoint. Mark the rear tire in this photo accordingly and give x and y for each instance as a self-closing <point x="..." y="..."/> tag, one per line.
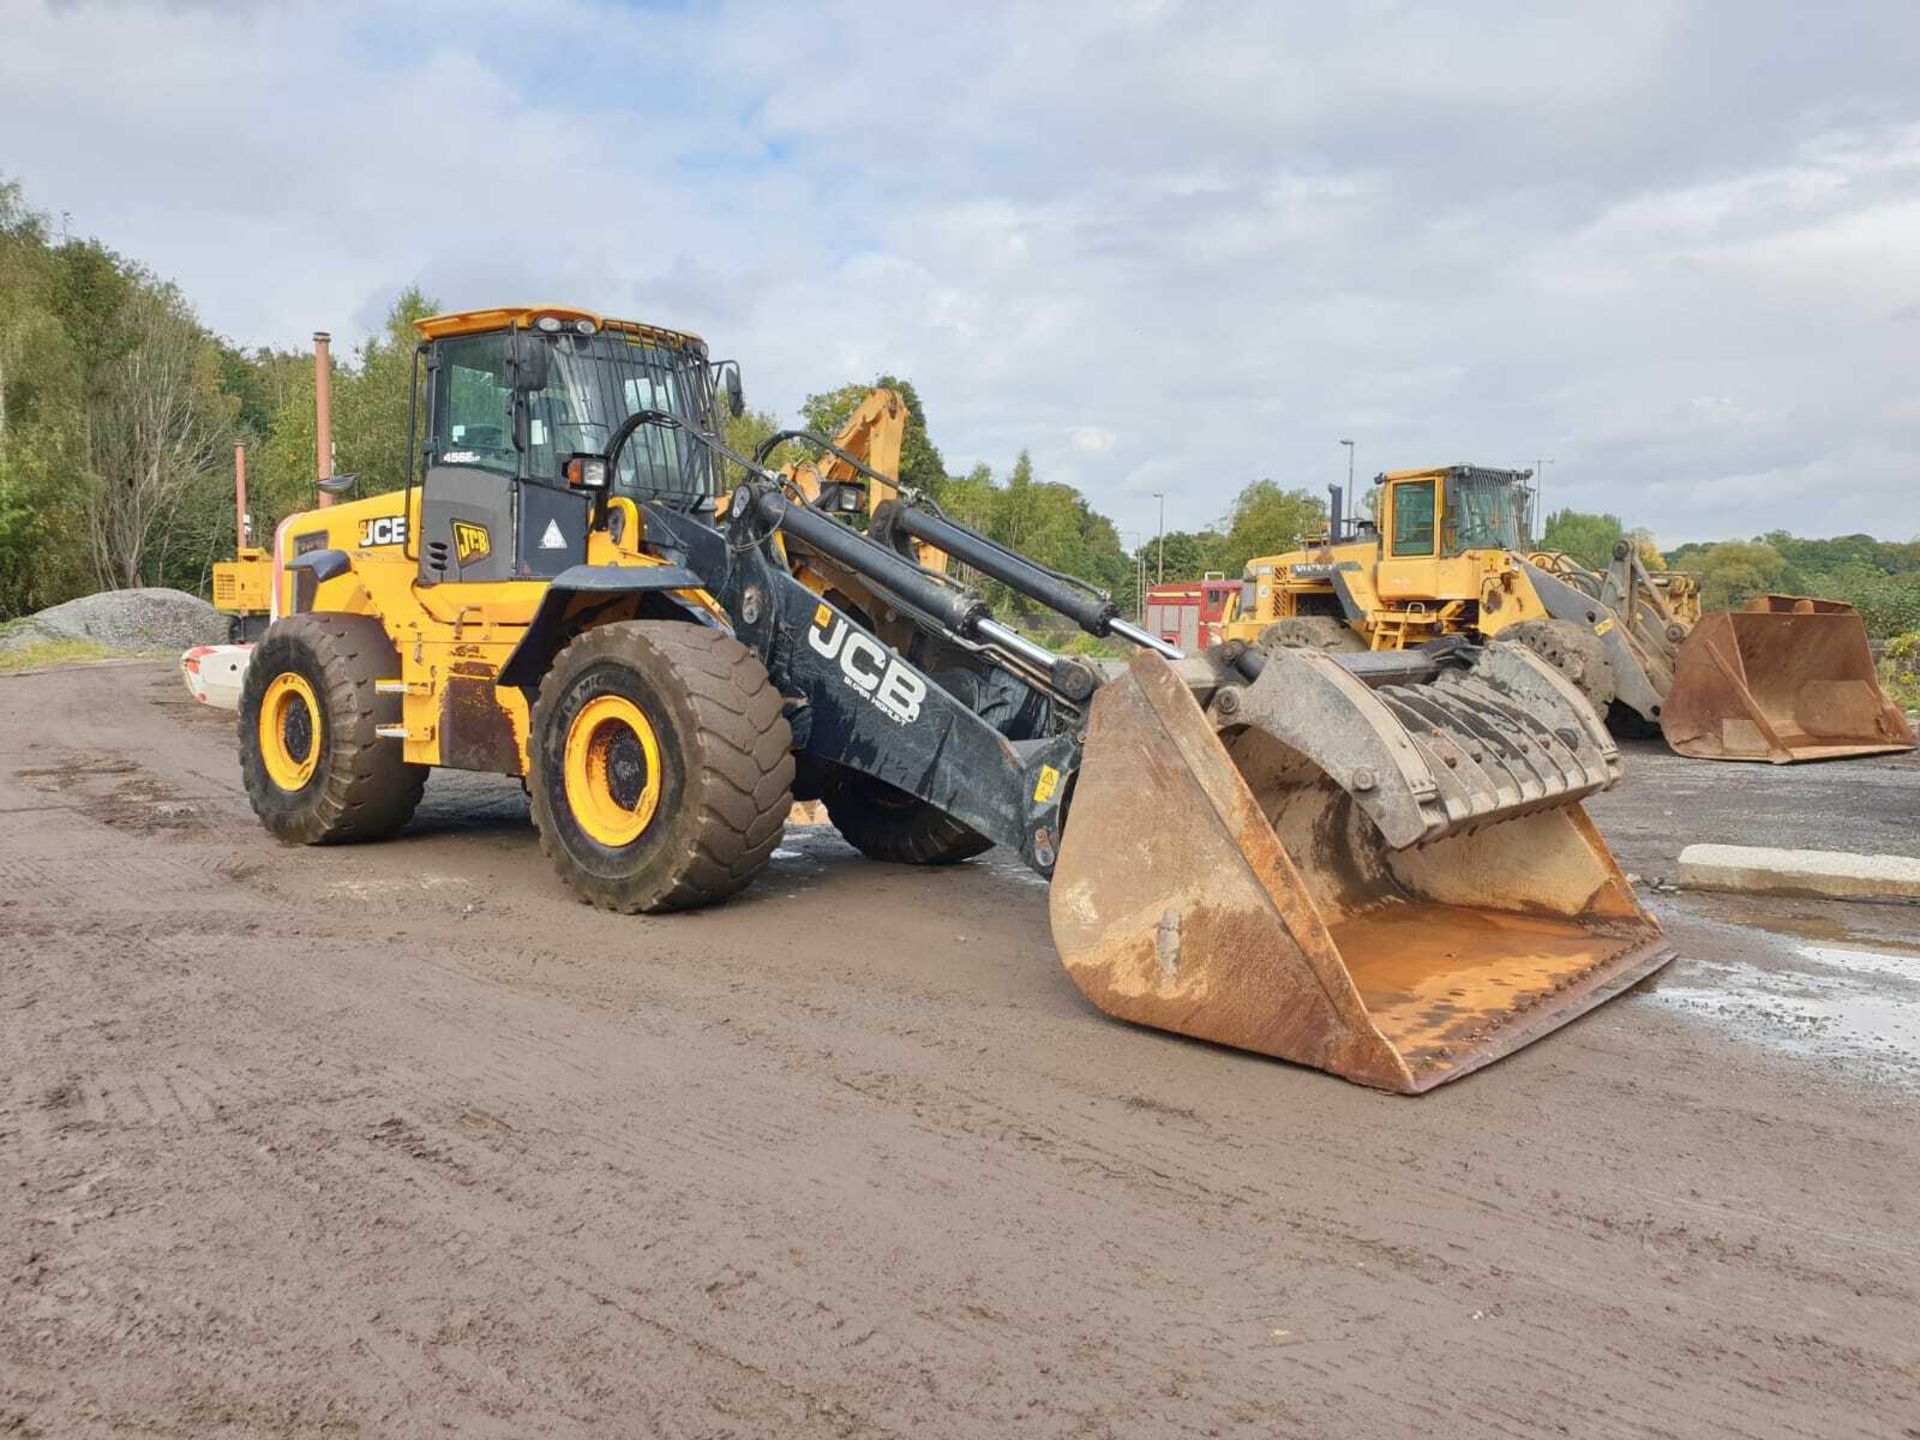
<point x="1572" y="649"/>
<point x="315" y="770"/>
<point x="884" y="823"/>
<point x="1312" y="632"/>
<point x="662" y="766"/>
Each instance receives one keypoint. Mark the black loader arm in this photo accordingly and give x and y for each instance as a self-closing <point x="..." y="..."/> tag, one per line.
<point x="858" y="703"/>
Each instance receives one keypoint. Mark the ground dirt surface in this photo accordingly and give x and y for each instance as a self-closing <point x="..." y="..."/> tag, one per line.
<point x="402" y="1140"/>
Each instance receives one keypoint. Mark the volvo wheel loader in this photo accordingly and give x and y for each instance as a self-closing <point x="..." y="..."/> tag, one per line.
<point x="1374" y="864"/>
<point x="1789" y="678"/>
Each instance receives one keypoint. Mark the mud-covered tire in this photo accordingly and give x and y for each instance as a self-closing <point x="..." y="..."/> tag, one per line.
<point x="1572" y="649"/>
<point x="884" y="823"/>
<point x="1311" y="632"/>
<point x="360" y="786"/>
<point x="724" y="775"/>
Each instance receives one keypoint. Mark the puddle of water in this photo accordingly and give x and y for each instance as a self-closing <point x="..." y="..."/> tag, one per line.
<point x="1804" y="926"/>
<point x="1849" y="1003"/>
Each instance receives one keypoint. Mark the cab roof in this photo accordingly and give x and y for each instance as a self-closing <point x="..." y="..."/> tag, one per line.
<point x="1443" y="472"/>
<point x="480" y="322"/>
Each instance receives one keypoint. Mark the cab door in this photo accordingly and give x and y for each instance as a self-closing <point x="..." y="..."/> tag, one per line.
<point x="1409" y="541"/>
<point x="485" y="514"/>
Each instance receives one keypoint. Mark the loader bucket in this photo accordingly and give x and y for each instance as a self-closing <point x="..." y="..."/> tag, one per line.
<point x="1787" y="679"/>
<point x="1396" y="884"/>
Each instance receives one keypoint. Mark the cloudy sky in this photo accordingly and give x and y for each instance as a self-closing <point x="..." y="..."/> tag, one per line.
<point x="1672" y="247"/>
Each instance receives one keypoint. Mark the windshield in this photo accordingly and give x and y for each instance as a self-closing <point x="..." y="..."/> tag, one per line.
<point x="593" y="383"/>
<point x="1485" y="512"/>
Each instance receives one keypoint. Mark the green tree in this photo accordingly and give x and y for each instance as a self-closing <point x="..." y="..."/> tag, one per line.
<point x="1188" y="555"/>
<point x="159" y="430"/>
<point x="42" y="420"/>
<point x="1587" y="538"/>
<point x="370" y="413"/>
<point x="1267" y="520"/>
<point x="1735" y="570"/>
<point x="371" y="400"/>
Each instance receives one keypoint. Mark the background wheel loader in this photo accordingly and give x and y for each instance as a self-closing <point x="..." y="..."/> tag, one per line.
<point x="1374" y="864"/>
<point x="1789" y="678"/>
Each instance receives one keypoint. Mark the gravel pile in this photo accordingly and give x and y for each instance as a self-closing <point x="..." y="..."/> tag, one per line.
<point x="127" y="620"/>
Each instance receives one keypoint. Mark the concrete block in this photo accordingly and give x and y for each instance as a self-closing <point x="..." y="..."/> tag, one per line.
<point x="1833" y="874"/>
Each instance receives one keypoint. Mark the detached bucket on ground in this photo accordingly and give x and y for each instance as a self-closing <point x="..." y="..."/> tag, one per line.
<point x="1393" y="882"/>
<point x="1789" y="678"/>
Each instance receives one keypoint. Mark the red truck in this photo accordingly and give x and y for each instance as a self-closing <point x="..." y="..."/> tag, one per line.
<point x="1189" y="613"/>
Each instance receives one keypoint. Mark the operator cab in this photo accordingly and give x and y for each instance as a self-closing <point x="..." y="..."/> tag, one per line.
<point x="514" y="399"/>
<point x="1455" y="510"/>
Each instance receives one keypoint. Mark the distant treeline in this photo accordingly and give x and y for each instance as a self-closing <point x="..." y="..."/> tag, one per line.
<point x="1880" y="578"/>
<point x="119" y="411"/>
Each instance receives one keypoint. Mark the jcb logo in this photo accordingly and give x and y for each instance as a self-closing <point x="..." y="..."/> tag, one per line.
<point x="470" y="542"/>
<point x="868" y="666"/>
<point x="383" y="530"/>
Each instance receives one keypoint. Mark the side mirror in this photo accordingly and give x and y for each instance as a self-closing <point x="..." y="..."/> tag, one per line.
<point x="728" y="373"/>
<point x="529" y="363"/>
<point x="337" y="484"/>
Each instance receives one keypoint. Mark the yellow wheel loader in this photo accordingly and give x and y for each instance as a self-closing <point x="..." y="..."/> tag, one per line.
<point x="1374" y="864"/>
<point x="1788" y="679"/>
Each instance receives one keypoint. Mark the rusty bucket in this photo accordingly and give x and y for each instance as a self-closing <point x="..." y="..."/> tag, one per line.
<point x="1220" y="879"/>
<point x="1787" y="679"/>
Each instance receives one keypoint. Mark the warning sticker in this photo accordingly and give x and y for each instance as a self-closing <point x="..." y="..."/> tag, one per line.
<point x="1048" y="783"/>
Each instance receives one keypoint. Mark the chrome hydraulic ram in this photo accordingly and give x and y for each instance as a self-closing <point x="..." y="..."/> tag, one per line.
<point x="1087" y="608"/>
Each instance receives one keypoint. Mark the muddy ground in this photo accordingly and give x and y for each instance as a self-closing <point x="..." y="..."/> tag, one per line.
<point x="400" y="1140"/>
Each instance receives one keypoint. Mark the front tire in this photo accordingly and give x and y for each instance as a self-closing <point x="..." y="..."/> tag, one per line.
<point x="1312" y="632"/>
<point x="315" y="768"/>
<point x="1574" y="650"/>
<point x="662" y="766"/>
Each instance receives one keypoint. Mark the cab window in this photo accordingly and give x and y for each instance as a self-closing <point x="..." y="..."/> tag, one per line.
<point x="1413" y="518"/>
<point x="473" y="404"/>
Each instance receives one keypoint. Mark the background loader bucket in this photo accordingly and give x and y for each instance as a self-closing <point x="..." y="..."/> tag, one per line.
<point x="1787" y="679"/>
<point x="1226" y="886"/>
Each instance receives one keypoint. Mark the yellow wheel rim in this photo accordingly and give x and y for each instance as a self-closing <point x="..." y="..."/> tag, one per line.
<point x="613" y="771"/>
<point x="290" y="731"/>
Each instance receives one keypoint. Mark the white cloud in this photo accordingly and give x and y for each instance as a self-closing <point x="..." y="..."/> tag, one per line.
<point x="1671" y="245"/>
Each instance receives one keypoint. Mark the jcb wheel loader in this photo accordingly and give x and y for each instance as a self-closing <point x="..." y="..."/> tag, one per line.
<point x="1787" y="679"/>
<point x="1374" y="864"/>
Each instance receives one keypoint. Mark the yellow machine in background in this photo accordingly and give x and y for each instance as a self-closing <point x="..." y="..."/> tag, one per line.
<point x="1448" y="554"/>
<point x="1439" y="558"/>
<point x="243" y="588"/>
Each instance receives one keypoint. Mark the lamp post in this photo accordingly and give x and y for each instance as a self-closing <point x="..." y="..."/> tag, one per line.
<point x="1539" y="491"/>
<point x="1352" y="505"/>
<point x="1161" y="564"/>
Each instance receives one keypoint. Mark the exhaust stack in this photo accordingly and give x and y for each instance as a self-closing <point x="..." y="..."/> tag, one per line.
<point x="323" y="414"/>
